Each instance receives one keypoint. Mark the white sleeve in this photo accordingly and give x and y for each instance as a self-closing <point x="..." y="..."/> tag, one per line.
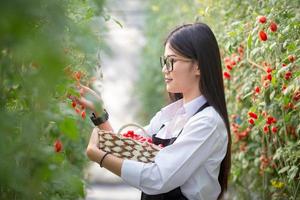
<point x="200" y="139"/>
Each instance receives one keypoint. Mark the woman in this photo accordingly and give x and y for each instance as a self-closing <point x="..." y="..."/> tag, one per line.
<point x="194" y="128"/>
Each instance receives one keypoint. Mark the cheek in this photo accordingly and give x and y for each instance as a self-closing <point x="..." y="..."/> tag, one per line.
<point x="183" y="75"/>
<point x="181" y="81"/>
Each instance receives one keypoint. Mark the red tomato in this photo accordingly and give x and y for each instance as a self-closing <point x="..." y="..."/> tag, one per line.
<point x="57" y="146"/>
<point x="273" y="27"/>
<point x="83" y="114"/>
<point x="262" y="36"/>
<point x="262" y="19"/>
<point x="252" y="115"/>
<point x="251" y="121"/>
<point x="226" y="75"/>
<point x="292" y="58"/>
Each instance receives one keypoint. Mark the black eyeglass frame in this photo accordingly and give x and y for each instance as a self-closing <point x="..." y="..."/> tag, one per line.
<point x="169" y="62"/>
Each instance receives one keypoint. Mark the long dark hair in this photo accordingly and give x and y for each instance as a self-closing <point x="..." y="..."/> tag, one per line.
<point x="196" y="41"/>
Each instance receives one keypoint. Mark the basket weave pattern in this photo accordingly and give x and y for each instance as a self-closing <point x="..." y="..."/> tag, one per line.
<point x="126" y="148"/>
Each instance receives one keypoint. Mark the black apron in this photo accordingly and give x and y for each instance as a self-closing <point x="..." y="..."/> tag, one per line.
<point x="175" y="194"/>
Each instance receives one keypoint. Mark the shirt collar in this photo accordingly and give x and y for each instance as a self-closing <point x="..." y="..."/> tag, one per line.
<point x="171" y="109"/>
<point x="179" y="107"/>
<point x="192" y="106"/>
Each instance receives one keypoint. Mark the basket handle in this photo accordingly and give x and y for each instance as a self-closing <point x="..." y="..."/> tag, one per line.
<point x="131" y="124"/>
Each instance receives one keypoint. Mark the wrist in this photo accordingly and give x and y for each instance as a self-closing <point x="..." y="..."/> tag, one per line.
<point x="94" y="154"/>
<point x="102" y="158"/>
<point x="98" y="120"/>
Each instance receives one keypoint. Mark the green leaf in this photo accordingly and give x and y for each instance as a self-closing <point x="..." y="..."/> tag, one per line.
<point x="89" y="14"/>
<point x="228" y="46"/>
<point x="278" y="154"/>
<point x="288" y="90"/>
<point x="272" y="45"/>
<point x="245" y="163"/>
<point x="249" y="41"/>
<point x="292" y="172"/>
<point x="106" y="17"/>
<point x="77" y="184"/>
<point x="284" y="169"/>
<point x="118" y="22"/>
<point x="255" y="51"/>
<point x="69" y="128"/>
<point x="291" y="47"/>
<point x="272" y="95"/>
<point x="287" y="118"/>
<point x="298" y="129"/>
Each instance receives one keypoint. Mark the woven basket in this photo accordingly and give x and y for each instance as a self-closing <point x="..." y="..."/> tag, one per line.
<point x="127" y="148"/>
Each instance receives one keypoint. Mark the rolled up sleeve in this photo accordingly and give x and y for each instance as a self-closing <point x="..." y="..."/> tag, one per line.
<point x="131" y="172"/>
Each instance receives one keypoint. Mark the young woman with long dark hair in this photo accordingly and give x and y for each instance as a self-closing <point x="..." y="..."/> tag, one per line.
<point x="194" y="127"/>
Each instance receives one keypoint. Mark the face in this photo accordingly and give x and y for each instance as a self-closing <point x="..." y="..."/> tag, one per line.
<point x="184" y="78"/>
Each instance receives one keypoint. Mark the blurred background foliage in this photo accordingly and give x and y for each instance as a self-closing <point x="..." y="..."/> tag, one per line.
<point x="44" y="47"/>
<point x="261" y="77"/>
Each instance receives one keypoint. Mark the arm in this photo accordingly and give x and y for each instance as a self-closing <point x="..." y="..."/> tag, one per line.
<point x="105" y="126"/>
<point x="112" y="163"/>
<point x="90" y="104"/>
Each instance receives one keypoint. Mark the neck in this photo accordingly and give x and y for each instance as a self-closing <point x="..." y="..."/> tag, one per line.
<point x="189" y="96"/>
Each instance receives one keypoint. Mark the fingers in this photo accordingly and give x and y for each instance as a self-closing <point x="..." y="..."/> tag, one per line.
<point x="94" y="139"/>
<point x="82" y="101"/>
<point x="86" y="103"/>
<point x="88" y="98"/>
<point x="84" y="90"/>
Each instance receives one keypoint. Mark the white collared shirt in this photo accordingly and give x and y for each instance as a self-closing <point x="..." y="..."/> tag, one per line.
<point x="192" y="162"/>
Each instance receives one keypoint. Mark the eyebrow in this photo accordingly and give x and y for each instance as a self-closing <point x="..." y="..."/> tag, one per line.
<point x="171" y="55"/>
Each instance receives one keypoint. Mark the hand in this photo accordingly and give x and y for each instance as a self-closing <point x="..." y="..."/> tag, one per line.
<point x="93" y="151"/>
<point x="89" y="99"/>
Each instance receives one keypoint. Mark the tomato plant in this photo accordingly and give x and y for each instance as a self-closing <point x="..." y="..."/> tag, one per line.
<point x="43" y="139"/>
<point x="259" y="44"/>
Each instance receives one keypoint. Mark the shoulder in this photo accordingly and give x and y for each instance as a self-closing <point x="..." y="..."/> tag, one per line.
<point x="210" y="119"/>
<point x="208" y="116"/>
<point x="167" y="112"/>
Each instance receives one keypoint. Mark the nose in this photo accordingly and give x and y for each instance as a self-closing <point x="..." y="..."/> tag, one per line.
<point x="164" y="70"/>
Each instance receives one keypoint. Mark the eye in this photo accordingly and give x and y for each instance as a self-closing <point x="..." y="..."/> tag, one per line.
<point x="172" y="60"/>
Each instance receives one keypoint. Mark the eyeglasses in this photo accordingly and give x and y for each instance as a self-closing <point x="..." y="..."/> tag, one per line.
<point x="169" y="62"/>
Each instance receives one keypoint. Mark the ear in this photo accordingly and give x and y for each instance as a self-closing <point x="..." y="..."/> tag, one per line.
<point x="196" y="69"/>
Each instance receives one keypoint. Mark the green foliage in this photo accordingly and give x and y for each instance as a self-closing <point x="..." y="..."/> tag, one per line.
<point x="264" y="79"/>
<point x="38" y="40"/>
<point x="268" y="152"/>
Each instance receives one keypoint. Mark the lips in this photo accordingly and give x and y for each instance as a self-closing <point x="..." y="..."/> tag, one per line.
<point x="168" y="80"/>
